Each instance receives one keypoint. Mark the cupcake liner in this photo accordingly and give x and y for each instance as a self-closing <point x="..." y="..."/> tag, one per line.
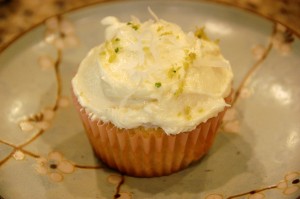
<point x="145" y="152"/>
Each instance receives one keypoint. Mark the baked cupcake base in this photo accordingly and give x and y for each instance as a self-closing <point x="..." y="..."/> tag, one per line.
<point x="145" y="152"/>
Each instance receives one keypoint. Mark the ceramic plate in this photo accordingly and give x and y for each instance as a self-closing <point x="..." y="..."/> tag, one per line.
<point x="44" y="152"/>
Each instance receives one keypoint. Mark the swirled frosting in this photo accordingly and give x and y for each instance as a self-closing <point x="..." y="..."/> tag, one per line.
<point x="153" y="74"/>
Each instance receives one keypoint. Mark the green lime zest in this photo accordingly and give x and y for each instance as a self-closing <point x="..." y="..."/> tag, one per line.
<point x="200" y="33"/>
<point x="157" y="84"/>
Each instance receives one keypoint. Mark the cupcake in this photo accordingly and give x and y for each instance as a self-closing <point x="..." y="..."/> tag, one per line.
<point x="151" y="96"/>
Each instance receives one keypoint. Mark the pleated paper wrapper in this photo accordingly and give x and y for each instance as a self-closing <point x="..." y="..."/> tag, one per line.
<point x="145" y="152"/>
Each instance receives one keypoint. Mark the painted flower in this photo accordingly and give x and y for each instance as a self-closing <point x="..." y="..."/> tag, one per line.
<point x="40" y="121"/>
<point x="291" y="183"/>
<point x="46" y="62"/>
<point x="282" y="39"/>
<point x="258" y="51"/>
<point x="54" y="166"/>
<point x="230" y="122"/>
<point x="60" y="33"/>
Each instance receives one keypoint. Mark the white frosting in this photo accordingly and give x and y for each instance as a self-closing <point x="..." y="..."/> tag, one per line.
<point x="153" y="74"/>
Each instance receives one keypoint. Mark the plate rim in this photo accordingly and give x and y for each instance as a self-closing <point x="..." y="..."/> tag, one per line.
<point x="96" y="3"/>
